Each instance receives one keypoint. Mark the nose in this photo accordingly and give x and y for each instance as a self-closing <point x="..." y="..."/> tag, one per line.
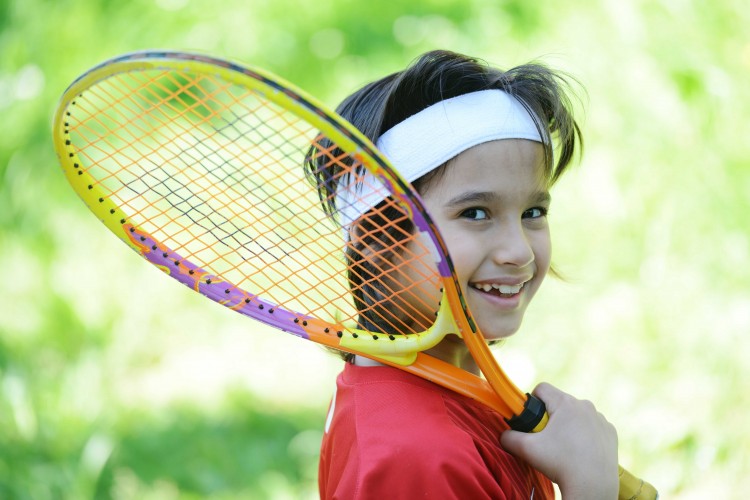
<point x="512" y="245"/>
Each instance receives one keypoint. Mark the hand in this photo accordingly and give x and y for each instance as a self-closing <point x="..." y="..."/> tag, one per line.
<point x="577" y="449"/>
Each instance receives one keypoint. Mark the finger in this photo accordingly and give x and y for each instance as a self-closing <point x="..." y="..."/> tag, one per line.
<point x="550" y="395"/>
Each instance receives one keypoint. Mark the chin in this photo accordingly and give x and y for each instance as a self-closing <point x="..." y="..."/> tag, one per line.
<point x="495" y="337"/>
<point x="499" y="328"/>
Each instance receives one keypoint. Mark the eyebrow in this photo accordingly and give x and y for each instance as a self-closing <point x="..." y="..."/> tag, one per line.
<point x="490" y="196"/>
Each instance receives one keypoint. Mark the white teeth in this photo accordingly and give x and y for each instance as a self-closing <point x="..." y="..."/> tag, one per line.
<point x="504" y="289"/>
<point x="509" y="289"/>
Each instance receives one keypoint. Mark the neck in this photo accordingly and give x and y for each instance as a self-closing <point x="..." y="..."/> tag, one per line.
<point x="452" y="350"/>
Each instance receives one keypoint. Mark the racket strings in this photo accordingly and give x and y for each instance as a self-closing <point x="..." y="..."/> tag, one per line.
<point x="385" y="241"/>
<point x="387" y="270"/>
<point x="182" y="195"/>
<point x="213" y="171"/>
<point x="385" y="305"/>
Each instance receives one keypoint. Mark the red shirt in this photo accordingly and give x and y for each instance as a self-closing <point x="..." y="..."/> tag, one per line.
<point x="391" y="435"/>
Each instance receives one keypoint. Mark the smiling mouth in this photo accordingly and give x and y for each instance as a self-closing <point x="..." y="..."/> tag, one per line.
<point x="499" y="290"/>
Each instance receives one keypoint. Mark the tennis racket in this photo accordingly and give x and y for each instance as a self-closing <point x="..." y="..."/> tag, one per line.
<point x="211" y="171"/>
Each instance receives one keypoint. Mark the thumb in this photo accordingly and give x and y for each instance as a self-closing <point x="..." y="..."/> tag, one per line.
<point x="531" y="449"/>
<point x="517" y="443"/>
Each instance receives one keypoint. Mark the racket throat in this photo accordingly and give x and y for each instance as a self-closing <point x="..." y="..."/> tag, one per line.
<point x="400" y="349"/>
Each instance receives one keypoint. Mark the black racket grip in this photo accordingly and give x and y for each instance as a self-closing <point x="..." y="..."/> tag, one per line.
<point x="533" y="413"/>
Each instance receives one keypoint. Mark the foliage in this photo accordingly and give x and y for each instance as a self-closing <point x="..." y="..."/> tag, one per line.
<point x="115" y="383"/>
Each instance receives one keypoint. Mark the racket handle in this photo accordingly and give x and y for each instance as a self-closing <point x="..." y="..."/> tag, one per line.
<point x="534" y="418"/>
<point x="633" y="488"/>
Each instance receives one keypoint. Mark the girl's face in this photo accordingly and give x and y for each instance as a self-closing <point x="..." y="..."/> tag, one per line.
<point x="491" y="206"/>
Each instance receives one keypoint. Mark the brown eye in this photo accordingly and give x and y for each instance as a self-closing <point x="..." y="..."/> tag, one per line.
<point x="534" y="213"/>
<point x="475" y="213"/>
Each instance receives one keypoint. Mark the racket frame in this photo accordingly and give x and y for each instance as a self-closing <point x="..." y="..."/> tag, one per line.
<point x="497" y="391"/>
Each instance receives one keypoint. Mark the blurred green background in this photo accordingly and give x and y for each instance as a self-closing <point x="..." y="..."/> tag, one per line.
<point x="118" y="383"/>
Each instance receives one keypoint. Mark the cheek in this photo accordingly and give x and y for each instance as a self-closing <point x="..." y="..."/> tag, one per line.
<point x="462" y="253"/>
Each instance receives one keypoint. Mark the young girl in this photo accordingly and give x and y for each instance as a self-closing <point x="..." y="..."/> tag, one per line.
<point x="477" y="143"/>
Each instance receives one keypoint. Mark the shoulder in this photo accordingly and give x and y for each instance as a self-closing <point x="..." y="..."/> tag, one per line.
<point x="387" y="424"/>
<point x="384" y="397"/>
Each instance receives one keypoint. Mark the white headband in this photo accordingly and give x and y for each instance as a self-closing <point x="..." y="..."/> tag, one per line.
<point x="433" y="136"/>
